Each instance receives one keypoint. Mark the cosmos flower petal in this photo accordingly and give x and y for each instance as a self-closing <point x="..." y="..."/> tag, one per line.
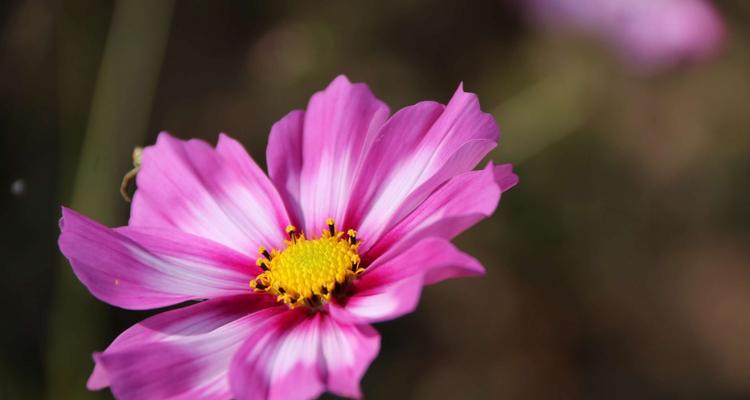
<point x="339" y="125"/>
<point x="284" y="157"/>
<point x="391" y="288"/>
<point x="280" y="361"/>
<point x="213" y="193"/>
<point x="505" y="177"/>
<point x="381" y="303"/>
<point x="394" y="162"/>
<point x="299" y="356"/>
<point x="454" y="207"/>
<point x="257" y="190"/>
<point x="183" y="353"/>
<point x="348" y="350"/>
<point x="141" y="268"/>
<point x="417" y="150"/>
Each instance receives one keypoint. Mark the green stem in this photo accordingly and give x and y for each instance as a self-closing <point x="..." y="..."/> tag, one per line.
<point x="118" y="120"/>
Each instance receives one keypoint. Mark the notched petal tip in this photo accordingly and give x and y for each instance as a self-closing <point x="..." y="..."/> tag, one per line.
<point x="342" y="82"/>
<point x="472" y="268"/>
<point x="225" y="142"/>
<point x="99" y="379"/>
<point x="340" y="79"/>
<point x="69" y="219"/>
<point x="225" y="138"/>
<point x="505" y="177"/>
<point x="63" y="212"/>
<point x="162" y="138"/>
<point x="468" y="103"/>
<point x="460" y="87"/>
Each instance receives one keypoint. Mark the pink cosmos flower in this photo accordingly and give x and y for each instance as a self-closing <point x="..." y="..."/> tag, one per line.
<point x="651" y="34"/>
<point x="290" y="269"/>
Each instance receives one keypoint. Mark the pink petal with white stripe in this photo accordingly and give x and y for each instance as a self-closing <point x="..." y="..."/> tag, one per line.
<point x="181" y="354"/>
<point x="142" y="268"/>
<point x="219" y="194"/>
<point x="454" y="207"/>
<point x="284" y="157"/>
<point x="348" y="350"/>
<point x="300" y="355"/>
<point x="417" y="150"/>
<point x="339" y="125"/>
<point x="391" y="288"/>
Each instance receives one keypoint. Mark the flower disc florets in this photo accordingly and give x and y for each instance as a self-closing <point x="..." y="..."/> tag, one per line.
<point x="309" y="271"/>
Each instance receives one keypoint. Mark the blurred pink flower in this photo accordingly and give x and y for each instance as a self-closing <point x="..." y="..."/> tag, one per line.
<point x="650" y="34"/>
<point x="293" y="321"/>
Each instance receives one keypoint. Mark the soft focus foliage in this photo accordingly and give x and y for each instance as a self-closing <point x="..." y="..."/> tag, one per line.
<point x="619" y="268"/>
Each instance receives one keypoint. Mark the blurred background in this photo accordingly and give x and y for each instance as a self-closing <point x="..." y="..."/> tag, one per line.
<point x="619" y="268"/>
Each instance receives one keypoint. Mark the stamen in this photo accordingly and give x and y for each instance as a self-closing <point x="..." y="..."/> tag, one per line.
<point x="262" y="251"/>
<point x="314" y="301"/>
<point x="292" y="232"/>
<point x="257" y="285"/>
<point x="331" y="228"/>
<point x="263" y="264"/>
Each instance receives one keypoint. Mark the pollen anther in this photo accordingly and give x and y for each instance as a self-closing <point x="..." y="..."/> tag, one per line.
<point x="309" y="271"/>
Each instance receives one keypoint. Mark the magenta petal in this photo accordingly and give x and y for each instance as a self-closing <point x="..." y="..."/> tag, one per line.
<point x="457" y="205"/>
<point x="141" y="268"/>
<point x="464" y="159"/>
<point x="284" y="158"/>
<point x="505" y="177"/>
<point x="382" y="303"/>
<point x="348" y="351"/>
<point x="417" y="150"/>
<point x="339" y="125"/>
<point x="181" y="354"/>
<point x="212" y="193"/>
<point x="253" y="177"/>
<point x="280" y="361"/>
<point x="391" y="288"/>
<point x="299" y="356"/>
<point x="395" y="161"/>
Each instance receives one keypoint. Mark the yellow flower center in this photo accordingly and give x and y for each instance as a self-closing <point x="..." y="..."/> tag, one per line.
<point x="309" y="271"/>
